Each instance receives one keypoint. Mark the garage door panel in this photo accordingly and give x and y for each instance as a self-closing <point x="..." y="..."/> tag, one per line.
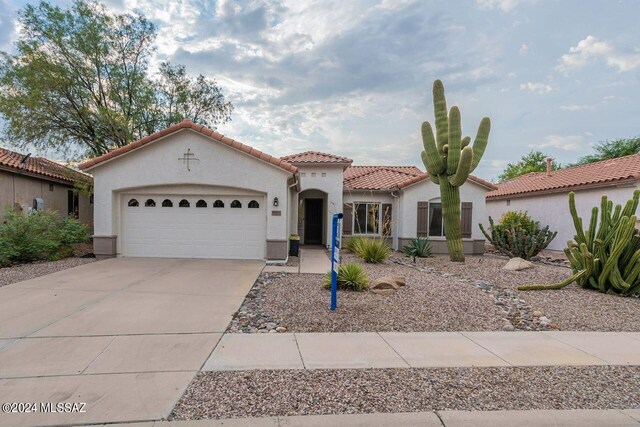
<point x="194" y="232"/>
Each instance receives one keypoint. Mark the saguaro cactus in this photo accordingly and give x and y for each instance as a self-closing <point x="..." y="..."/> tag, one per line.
<point x="449" y="160"/>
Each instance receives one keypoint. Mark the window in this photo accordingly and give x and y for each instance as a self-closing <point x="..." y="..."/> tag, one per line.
<point x="133" y="203"/>
<point x="236" y="204"/>
<point x="184" y="203"/>
<point x="254" y="205"/>
<point x="50" y="187"/>
<point x="91" y="199"/>
<point x="366" y="218"/>
<point x="218" y="204"/>
<point x="436" y="227"/>
<point x="508" y="202"/>
<point x="150" y="203"/>
<point x="166" y="203"/>
<point x="201" y="204"/>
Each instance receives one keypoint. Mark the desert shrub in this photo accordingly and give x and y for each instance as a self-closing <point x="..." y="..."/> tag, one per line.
<point x="517" y="235"/>
<point x="374" y="250"/>
<point x="419" y="247"/>
<point x="40" y="235"/>
<point x="353" y="243"/>
<point x="351" y="276"/>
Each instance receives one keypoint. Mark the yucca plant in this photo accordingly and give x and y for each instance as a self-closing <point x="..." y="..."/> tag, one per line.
<point x="419" y="247"/>
<point x="351" y="276"/>
<point x="353" y="243"/>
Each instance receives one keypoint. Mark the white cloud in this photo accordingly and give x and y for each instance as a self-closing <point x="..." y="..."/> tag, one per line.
<point x="565" y="143"/>
<point x="591" y="49"/>
<point x="524" y="49"/>
<point x="503" y="5"/>
<point x="536" y="87"/>
<point x="575" y="107"/>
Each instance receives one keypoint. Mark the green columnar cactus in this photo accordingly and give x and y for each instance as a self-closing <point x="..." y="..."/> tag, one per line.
<point x="604" y="257"/>
<point x="524" y="241"/>
<point x="449" y="160"/>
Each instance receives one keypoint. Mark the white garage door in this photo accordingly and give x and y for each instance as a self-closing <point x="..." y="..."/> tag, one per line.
<point x="227" y="227"/>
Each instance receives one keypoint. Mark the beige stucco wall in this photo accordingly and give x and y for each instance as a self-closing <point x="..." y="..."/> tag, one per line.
<point x="427" y="191"/>
<point x="156" y="165"/>
<point x="553" y="209"/>
<point x="22" y="189"/>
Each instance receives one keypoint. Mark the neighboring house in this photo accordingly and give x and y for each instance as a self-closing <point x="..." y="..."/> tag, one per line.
<point x="545" y="195"/>
<point x="27" y="180"/>
<point x="188" y="191"/>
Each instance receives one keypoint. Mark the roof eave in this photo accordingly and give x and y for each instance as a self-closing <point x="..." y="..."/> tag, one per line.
<point x="565" y="189"/>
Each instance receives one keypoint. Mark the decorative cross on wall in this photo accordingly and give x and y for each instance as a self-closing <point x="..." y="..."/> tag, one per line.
<point x="188" y="157"/>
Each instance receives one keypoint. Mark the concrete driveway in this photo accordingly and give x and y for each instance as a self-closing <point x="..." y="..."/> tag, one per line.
<point x="124" y="336"/>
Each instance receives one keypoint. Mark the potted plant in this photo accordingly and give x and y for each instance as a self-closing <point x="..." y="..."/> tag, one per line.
<point x="294" y="245"/>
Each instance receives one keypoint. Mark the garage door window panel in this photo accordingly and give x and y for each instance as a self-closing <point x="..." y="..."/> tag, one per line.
<point x="201" y="204"/>
<point x="133" y="203"/>
<point x="150" y="203"/>
<point x="184" y="203"/>
<point x="166" y="203"/>
<point x="236" y="204"/>
<point x="254" y="204"/>
<point x="218" y="204"/>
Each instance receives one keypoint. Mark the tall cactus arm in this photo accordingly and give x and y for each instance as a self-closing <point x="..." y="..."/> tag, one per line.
<point x="480" y="143"/>
<point x="577" y="221"/>
<point x="455" y="140"/>
<point x="466" y="141"/>
<point x="431" y="156"/>
<point x="440" y="110"/>
<point x="464" y="167"/>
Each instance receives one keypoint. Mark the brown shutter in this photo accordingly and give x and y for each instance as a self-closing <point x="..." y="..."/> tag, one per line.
<point x="465" y="219"/>
<point x="386" y="219"/>
<point x="423" y="219"/>
<point x="347" y="220"/>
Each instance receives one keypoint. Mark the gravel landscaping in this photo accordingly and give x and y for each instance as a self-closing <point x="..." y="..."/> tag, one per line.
<point x="23" y="272"/>
<point x="439" y="295"/>
<point x="316" y="392"/>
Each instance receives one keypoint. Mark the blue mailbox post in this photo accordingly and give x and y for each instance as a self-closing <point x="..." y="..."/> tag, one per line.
<point x="335" y="258"/>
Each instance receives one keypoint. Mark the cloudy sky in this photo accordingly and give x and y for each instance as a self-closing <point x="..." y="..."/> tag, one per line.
<point x="353" y="77"/>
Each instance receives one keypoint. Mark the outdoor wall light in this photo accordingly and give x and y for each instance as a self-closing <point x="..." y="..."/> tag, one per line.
<point x="276" y="202"/>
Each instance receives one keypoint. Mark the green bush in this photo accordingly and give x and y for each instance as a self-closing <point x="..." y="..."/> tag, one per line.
<point x="517" y="235"/>
<point x="374" y="250"/>
<point x="353" y="243"/>
<point x="40" y="235"/>
<point x="351" y="276"/>
<point x="419" y="247"/>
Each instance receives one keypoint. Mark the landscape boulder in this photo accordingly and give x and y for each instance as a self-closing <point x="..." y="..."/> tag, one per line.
<point x="389" y="284"/>
<point x="517" y="264"/>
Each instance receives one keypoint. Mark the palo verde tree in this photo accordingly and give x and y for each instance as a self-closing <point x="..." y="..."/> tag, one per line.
<point x="79" y="78"/>
<point x="449" y="160"/>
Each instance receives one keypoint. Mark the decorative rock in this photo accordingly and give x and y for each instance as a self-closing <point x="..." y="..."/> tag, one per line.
<point x="272" y="331"/>
<point x="281" y="329"/>
<point x="537" y="313"/>
<point x="517" y="264"/>
<point x="508" y="327"/>
<point x="388" y="282"/>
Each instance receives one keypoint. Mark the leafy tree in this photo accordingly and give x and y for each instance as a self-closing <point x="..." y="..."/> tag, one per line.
<point x="535" y="161"/>
<point x="612" y="149"/>
<point x="80" y="79"/>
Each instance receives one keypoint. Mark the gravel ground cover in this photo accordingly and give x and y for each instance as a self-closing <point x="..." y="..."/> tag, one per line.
<point x="571" y="308"/>
<point x="23" y="272"/>
<point x="477" y="295"/>
<point x="316" y="392"/>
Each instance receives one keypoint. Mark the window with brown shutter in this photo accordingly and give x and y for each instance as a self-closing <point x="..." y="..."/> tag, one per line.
<point x="422" y="229"/>
<point x="347" y="220"/>
<point x="386" y="219"/>
<point x="465" y="219"/>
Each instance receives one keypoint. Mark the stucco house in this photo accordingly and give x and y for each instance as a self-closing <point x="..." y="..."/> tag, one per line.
<point x="28" y="182"/>
<point x="188" y="191"/>
<point x="545" y="195"/>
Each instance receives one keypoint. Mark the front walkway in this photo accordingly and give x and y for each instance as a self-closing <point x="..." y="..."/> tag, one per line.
<point x="423" y="350"/>
<point x="313" y="260"/>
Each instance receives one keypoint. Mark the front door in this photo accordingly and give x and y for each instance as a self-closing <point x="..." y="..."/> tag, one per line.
<point x="313" y="221"/>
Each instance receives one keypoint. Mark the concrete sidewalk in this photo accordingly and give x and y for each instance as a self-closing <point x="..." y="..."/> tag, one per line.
<point x="423" y="350"/>
<point x="539" y="418"/>
<point x="313" y="260"/>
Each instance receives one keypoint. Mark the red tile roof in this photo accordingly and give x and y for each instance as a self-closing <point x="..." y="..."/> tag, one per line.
<point x="378" y="177"/>
<point x="390" y="177"/>
<point x="315" y="157"/>
<point x="40" y="166"/>
<point x="188" y="124"/>
<point x="599" y="174"/>
<point x="425" y="176"/>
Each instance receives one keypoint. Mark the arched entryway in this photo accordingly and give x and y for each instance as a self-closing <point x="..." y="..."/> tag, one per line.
<point x="312" y="217"/>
